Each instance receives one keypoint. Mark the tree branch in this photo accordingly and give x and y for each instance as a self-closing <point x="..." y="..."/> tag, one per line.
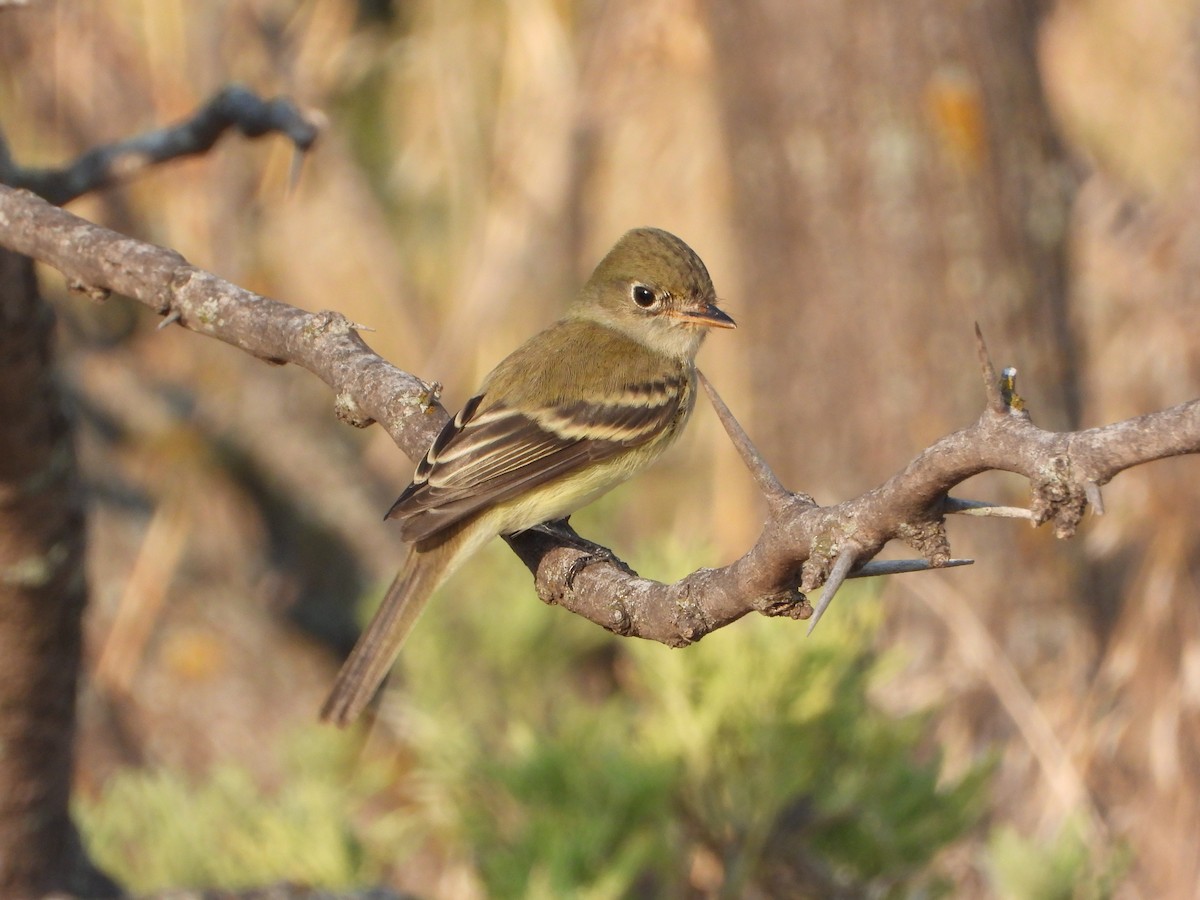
<point x="232" y="107"/>
<point x="800" y="541"/>
<point x="96" y="260"/>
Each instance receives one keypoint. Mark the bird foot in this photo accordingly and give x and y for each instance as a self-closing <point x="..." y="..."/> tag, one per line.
<point x="593" y="553"/>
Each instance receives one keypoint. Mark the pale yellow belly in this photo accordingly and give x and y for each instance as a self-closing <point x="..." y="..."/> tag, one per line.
<point x="564" y="496"/>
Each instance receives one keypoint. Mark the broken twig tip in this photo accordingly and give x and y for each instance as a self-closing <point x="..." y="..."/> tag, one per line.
<point x="1008" y="389"/>
<point x="430" y="396"/>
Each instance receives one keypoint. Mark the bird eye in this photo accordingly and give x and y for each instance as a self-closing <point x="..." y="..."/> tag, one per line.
<point x="643" y="296"/>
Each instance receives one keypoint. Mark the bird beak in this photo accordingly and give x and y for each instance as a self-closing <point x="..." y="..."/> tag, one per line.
<point x="705" y="314"/>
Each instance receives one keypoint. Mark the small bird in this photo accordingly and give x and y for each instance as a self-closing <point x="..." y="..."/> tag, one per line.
<point x="576" y="410"/>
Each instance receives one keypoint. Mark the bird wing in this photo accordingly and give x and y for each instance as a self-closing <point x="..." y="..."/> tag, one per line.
<point x="486" y="455"/>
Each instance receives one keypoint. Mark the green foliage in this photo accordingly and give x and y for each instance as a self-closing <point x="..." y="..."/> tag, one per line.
<point x="557" y="761"/>
<point x="585" y="765"/>
<point x="155" y="828"/>
<point x="765" y="726"/>
<point x="1064" y="868"/>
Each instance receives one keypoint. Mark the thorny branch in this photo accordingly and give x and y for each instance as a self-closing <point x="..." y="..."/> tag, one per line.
<point x="802" y="545"/>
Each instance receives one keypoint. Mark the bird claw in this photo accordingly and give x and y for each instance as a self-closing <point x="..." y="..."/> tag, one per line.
<point x="589" y="559"/>
<point x="592" y="553"/>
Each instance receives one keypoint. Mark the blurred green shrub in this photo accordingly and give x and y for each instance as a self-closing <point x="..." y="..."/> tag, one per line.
<point x="155" y="828"/>
<point x="584" y="765"/>
<point x="556" y="760"/>
<point x="1064" y="868"/>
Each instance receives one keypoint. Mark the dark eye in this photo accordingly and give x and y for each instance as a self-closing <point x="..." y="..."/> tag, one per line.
<point x="643" y="296"/>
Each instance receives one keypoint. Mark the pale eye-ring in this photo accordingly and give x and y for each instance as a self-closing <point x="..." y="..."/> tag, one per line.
<point x="643" y="296"/>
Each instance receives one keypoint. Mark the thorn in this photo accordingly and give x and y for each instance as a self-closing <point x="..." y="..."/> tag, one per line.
<point x="1091" y="491"/>
<point x="991" y="387"/>
<point x="955" y="506"/>
<point x="764" y="476"/>
<point x="837" y="576"/>
<point x="294" y="170"/>
<point x="875" y="568"/>
<point x="171" y="318"/>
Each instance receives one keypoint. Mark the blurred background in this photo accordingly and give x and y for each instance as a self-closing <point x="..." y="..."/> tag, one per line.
<point x="865" y="181"/>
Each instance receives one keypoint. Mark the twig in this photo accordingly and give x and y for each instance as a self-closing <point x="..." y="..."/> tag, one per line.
<point x="142" y="600"/>
<point x="981" y="653"/>
<point x="233" y="107"/>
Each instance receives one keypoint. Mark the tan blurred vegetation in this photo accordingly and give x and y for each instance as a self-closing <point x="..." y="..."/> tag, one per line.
<point x="477" y="159"/>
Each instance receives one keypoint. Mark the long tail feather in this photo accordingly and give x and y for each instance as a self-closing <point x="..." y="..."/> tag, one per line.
<point x="373" y="655"/>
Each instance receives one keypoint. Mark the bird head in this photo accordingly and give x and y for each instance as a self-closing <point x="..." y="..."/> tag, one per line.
<point x="654" y="288"/>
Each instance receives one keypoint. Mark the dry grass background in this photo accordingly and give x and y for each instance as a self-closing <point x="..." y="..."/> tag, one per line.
<point x="477" y="160"/>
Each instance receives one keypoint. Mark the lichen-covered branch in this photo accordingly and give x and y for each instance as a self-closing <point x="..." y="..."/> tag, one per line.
<point x="96" y="260"/>
<point x="800" y="542"/>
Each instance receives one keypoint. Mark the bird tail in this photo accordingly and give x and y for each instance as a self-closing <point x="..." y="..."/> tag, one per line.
<point x="372" y="657"/>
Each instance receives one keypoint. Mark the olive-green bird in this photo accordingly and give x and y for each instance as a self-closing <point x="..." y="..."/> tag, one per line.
<point x="572" y="413"/>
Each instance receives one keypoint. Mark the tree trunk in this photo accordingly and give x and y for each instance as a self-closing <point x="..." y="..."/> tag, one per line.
<point x="42" y="596"/>
<point x="897" y="179"/>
